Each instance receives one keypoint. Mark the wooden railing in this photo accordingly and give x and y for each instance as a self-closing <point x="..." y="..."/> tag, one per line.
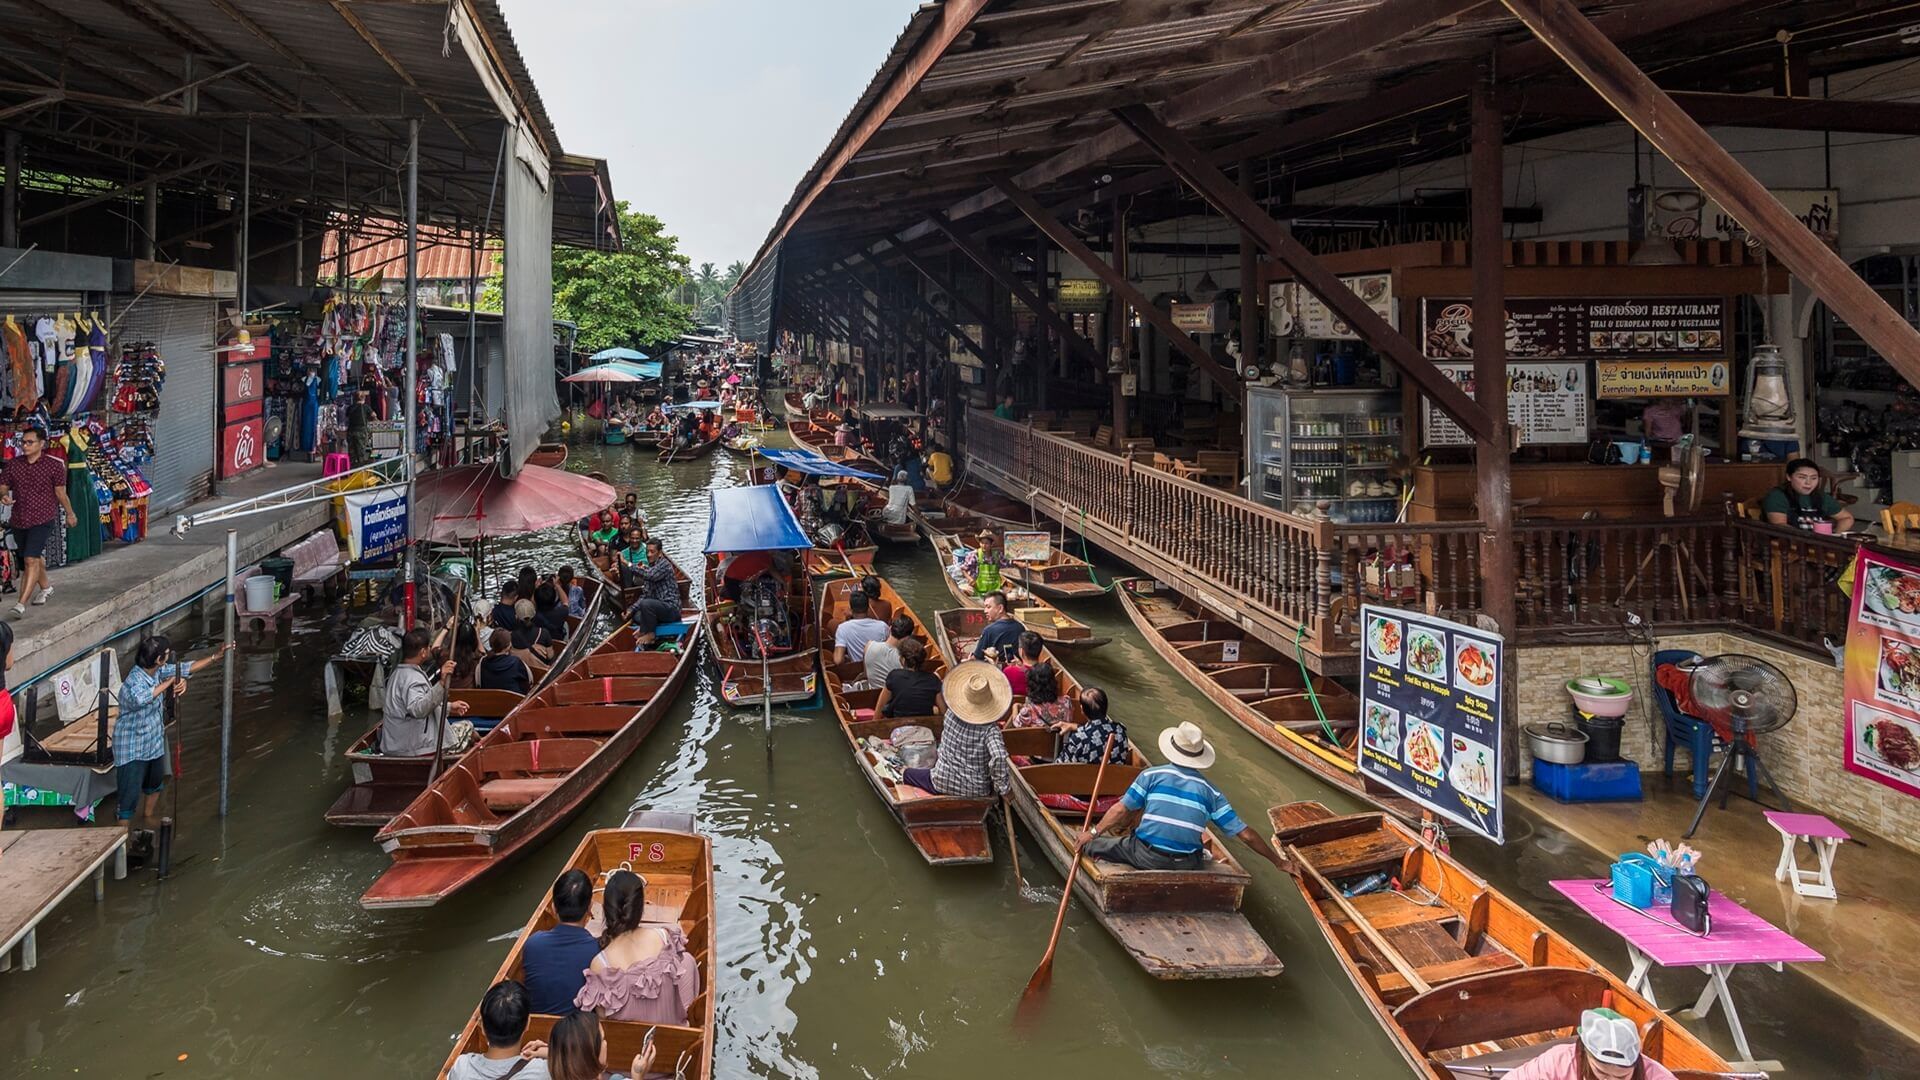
<point x="1295" y="577"/>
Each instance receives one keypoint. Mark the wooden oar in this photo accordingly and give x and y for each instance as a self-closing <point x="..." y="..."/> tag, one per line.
<point x="1043" y="975"/>
<point x="440" y="723"/>
<point x="1399" y="962"/>
<point x="1013" y="845"/>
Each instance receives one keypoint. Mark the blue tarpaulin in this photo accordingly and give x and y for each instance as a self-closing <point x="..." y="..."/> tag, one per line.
<point x="753" y="519"/>
<point x="811" y="464"/>
<point x="694" y="405"/>
<point x="619" y="354"/>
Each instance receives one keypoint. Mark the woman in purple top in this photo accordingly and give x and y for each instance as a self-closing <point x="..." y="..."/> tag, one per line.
<point x="644" y="972"/>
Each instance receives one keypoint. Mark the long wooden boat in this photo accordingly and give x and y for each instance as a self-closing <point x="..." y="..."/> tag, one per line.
<point x="797" y="410"/>
<point x="1491" y="986"/>
<point x="382" y="785"/>
<point x="1259" y="686"/>
<point x="549" y="455"/>
<point x="1002" y="510"/>
<point x="1058" y="629"/>
<point x="1062" y="576"/>
<point x="531" y="773"/>
<point x="790" y="676"/>
<point x="668" y="453"/>
<point x="878" y="527"/>
<point x="600" y="571"/>
<point x="677" y="862"/>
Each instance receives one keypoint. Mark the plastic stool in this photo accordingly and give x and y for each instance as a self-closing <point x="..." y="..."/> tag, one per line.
<point x="335" y="464"/>
<point x="1820" y="834"/>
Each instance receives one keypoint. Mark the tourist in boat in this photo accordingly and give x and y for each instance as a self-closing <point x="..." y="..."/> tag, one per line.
<point x="502" y="615"/>
<point x="527" y="581"/>
<point x="1082" y="741"/>
<point x="414" y="702"/>
<point x="916" y="472"/>
<point x="1046" y="706"/>
<point x="604" y="531"/>
<point x="549" y="611"/>
<point x="579" y="1052"/>
<point x="1172" y="805"/>
<point x="972" y="760"/>
<point x="660" y="602"/>
<point x="503" y="1017"/>
<point x="884" y="656"/>
<point x="466" y="657"/>
<point x="1608" y="1049"/>
<point x="631" y="516"/>
<point x="644" y="972"/>
<point x="634" y="553"/>
<point x="140" y="729"/>
<point x="1002" y="633"/>
<point x="859" y="630"/>
<point x="1026" y="654"/>
<point x="501" y="669"/>
<point x="899" y="500"/>
<point x="576" y="595"/>
<point x="555" y="960"/>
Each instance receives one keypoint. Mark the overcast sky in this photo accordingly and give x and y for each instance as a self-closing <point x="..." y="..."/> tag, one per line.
<point x="707" y="112"/>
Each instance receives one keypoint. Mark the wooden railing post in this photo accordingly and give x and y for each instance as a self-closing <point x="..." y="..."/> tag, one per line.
<point x="1325" y="553"/>
<point x="1127" y="495"/>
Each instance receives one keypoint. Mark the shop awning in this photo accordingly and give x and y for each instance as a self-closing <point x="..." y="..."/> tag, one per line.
<point x="472" y="501"/>
<point x="811" y="464"/>
<point x="753" y="519"/>
<point x="620" y="353"/>
<point x="616" y="372"/>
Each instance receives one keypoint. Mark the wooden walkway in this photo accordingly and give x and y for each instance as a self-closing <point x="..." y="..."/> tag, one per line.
<point x="41" y="867"/>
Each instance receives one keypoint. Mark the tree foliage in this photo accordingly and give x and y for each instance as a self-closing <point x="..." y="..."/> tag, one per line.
<point x="631" y="297"/>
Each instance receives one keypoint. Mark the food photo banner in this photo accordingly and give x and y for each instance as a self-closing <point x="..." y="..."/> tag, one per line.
<point x="1882" y="677"/>
<point x="1430" y="693"/>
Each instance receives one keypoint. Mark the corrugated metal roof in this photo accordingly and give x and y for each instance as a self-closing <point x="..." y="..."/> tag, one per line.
<point x="444" y="254"/>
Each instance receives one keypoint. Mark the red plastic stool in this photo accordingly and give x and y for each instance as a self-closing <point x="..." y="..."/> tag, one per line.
<point x="335" y="464"/>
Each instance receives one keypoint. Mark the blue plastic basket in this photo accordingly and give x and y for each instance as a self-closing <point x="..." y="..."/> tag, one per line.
<point x="1635" y="879"/>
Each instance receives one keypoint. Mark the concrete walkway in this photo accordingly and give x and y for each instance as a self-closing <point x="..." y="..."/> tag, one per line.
<point x="128" y="584"/>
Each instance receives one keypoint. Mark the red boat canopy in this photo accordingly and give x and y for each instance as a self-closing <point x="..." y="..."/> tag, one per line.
<point x="472" y="501"/>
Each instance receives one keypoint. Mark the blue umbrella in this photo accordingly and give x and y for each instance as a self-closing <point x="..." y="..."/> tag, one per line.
<point x="619" y="354"/>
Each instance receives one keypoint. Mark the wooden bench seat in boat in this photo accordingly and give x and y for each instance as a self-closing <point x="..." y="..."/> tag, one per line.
<point x="517" y="793"/>
<point x="564" y="721"/>
<point x="530" y="756"/>
<point x="488" y="704"/>
<point x="628" y="663"/>
<point x="1386" y="909"/>
<point x="1502" y="1005"/>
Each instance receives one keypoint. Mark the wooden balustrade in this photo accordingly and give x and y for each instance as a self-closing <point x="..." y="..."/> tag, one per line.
<point x="1284" y="574"/>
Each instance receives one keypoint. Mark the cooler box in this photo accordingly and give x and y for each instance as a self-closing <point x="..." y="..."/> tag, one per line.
<point x="1589" y="781"/>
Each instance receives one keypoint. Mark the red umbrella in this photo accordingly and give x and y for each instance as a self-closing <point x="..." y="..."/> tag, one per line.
<point x="471" y="501"/>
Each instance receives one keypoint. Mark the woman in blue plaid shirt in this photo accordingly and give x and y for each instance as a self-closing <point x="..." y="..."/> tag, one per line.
<point x="140" y="731"/>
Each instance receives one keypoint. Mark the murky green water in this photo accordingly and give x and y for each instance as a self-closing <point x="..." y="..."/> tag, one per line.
<point x="844" y="955"/>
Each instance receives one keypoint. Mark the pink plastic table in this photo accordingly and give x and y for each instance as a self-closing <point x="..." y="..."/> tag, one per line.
<point x="1823" y="836"/>
<point x="1738" y="936"/>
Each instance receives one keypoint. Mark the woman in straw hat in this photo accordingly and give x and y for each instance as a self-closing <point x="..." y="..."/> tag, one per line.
<point x="972" y="760"/>
<point x="1173" y="803"/>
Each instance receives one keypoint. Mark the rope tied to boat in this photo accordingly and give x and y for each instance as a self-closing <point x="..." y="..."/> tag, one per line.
<point x="1300" y="657"/>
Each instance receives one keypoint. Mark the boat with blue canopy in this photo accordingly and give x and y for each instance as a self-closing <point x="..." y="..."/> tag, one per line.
<point x="759" y="622"/>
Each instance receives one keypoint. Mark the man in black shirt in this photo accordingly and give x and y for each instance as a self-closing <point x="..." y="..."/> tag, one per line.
<point x="1002" y="632"/>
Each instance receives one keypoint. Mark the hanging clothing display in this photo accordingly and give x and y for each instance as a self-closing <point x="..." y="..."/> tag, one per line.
<point x="83" y="541"/>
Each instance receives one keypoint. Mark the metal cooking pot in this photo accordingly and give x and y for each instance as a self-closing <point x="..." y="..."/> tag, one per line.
<point x="1557" y="743"/>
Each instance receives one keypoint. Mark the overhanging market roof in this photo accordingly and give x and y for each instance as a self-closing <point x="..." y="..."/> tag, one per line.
<point x="811" y="464"/>
<point x="753" y="519"/>
<point x="125" y="90"/>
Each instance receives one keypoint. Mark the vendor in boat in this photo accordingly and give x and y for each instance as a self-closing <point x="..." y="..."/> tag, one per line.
<point x="981" y="566"/>
<point x="644" y="972"/>
<point x="972" y="760"/>
<point x="1172" y="805"/>
<point x="899" y="500"/>
<point x="659" y="603"/>
<point x="414" y="702"/>
<point x="1002" y="632"/>
<point x="1801" y="503"/>
<point x="1608" y="1049"/>
<point x="939" y="467"/>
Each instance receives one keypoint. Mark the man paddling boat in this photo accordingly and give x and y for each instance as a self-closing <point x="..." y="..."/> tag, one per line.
<point x="1175" y="802"/>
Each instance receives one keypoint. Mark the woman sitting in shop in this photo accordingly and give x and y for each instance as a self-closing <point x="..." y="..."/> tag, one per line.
<point x="1803" y="504"/>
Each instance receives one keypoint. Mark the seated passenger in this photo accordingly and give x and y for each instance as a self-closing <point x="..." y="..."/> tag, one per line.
<point x="502" y="670"/>
<point x="644" y="972"/>
<point x="555" y="961"/>
<point x="503" y="1017"/>
<point x="579" y="1052"/>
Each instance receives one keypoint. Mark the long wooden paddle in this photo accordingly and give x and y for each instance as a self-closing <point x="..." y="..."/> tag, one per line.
<point x="1013" y="845"/>
<point x="440" y="722"/>
<point x="1043" y="975"/>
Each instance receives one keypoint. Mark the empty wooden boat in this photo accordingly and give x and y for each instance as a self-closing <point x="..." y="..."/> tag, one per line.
<point x="677" y="863"/>
<point x="730" y="639"/>
<point x="550" y="455"/>
<point x="1058" y="629"/>
<point x="1001" y="510"/>
<point x="1261" y="687"/>
<point x="1061" y="577"/>
<point x="531" y="773"/>
<point x="1465" y="981"/>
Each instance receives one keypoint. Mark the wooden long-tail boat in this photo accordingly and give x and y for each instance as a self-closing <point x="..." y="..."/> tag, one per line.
<point x="531" y="773"/>
<point x="790" y="673"/>
<point x="551" y="455"/>
<point x="1058" y="629"/>
<point x="1001" y="510"/>
<point x="1062" y="577"/>
<point x="601" y="575"/>
<point x="382" y="785"/>
<point x="1259" y="686"/>
<point x="677" y="862"/>
<point x="797" y="410"/>
<point x="1469" y="983"/>
<point x="669" y="453"/>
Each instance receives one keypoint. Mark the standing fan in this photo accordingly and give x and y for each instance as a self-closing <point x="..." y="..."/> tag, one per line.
<point x="1682" y="484"/>
<point x="1756" y="698"/>
<point x="275" y="426"/>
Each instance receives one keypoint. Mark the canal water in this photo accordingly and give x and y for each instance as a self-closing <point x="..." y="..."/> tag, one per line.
<point x="843" y="955"/>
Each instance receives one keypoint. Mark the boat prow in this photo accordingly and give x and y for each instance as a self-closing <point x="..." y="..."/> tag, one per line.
<point x="423" y="882"/>
<point x="1195" y="945"/>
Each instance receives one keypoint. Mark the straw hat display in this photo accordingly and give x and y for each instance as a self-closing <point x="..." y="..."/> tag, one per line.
<point x="977" y="692"/>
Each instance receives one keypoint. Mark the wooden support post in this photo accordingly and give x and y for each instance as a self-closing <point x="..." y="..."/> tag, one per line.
<point x="1601" y="65"/>
<point x="971" y="249"/>
<point x="1252" y="330"/>
<point x="932" y="312"/>
<point x="1120" y="337"/>
<point x="1493" y="453"/>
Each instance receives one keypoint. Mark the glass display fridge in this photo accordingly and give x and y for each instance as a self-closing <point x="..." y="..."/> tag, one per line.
<point x="1338" y="447"/>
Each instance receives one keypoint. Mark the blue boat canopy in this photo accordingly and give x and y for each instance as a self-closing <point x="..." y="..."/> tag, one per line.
<point x="694" y="405"/>
<point x="811" y="464"/>
<point x="619" y="354"/>
<point x="753" y="519"/>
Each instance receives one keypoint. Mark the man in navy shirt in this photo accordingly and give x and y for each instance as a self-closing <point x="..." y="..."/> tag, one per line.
<point x="555" y="961"/>
<point x="1002" y="631"/>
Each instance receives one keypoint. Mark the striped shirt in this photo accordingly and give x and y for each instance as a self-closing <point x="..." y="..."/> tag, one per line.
<point x="140" y="729"/>
<point x="1176" y="803"/>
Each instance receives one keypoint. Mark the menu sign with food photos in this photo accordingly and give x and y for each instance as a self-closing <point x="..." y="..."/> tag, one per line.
<point x="1881" y="680"/>
<point x="1608" y="327"/>
<point x="1546" y="403"/>
<point x="1430" y="693"/>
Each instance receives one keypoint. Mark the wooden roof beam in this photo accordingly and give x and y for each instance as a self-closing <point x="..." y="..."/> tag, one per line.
<point x="933" y="313"/>
<point x="1730" y="110"/>
<point x="392" y="61"/>
<point x="1041" y="310"/>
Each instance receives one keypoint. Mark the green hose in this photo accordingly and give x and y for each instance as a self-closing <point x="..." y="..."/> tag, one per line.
<point x="1086" y="556"/>
<point x="1300" y="657"/>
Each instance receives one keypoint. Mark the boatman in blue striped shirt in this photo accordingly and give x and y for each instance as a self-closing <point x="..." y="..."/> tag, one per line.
<point x="1174" y="803"/>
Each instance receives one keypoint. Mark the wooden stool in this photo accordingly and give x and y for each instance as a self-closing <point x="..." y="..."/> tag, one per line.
<point x="1821" y="835"/>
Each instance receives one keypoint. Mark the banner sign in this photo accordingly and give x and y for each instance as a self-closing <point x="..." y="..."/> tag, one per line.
<point x="1661" y="378"/>
<point x="1546" y="403"/>
<point x="1554" y="327"/>
<point x="1881" y="681"/>
<point x="1080" y="296"/>
<point x="1430" y="693"/>
<point x="1292" y="309"/>
<point x="243" y="444"/>
<point x="241" y="383"/>
<point x="1195" y="318"/>
<point x="1689" y="214"/>
<point x="376" y="523"/>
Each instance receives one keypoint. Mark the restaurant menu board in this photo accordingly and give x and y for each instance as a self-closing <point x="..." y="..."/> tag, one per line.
<point x="1292" y="309"/>
<point x="1546" y="403"/>
<point x="1881" y="680"/>
<point x="1430" y="695"/>
<point x="1606" y="327"/>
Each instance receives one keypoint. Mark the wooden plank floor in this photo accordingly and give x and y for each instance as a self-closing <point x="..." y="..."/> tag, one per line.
<point x="41" y="867"/>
